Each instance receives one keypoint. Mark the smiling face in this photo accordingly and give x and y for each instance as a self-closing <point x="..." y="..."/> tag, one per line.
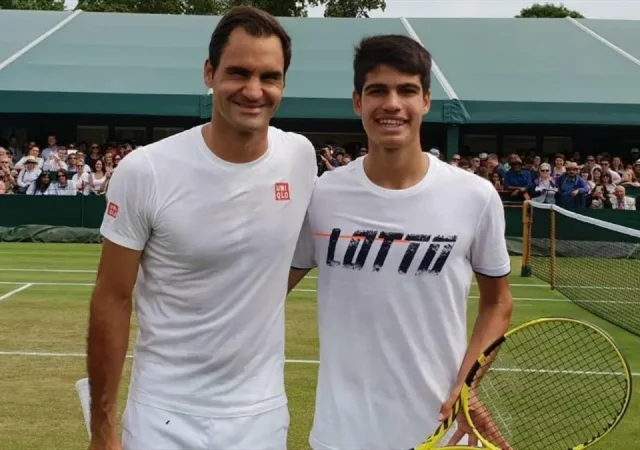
<point x="392" y="105"/>
<point x="248" y="83"/>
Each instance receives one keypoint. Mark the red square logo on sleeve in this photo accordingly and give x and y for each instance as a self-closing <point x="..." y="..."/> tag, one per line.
<point x="282" y="191"/>
<point x="112" y="210"/>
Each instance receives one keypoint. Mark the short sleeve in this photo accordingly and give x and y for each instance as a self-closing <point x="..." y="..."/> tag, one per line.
<point x="130" y="199"/>
<point x="304" y="257"/>
<point x="489" y="254"/>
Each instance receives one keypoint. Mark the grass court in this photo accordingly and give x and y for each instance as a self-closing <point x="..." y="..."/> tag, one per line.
<point x="44" y="296"/>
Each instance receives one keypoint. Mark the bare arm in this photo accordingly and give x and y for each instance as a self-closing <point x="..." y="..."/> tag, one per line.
<point x="494" y="316"/>
<point x="295" y="276"/>
<point x="108" y="341"/>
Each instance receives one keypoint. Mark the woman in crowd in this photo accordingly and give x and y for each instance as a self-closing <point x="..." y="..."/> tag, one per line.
<point x="34" y="153"/>
<point x="607" y="183"/>
<point x="616" y="165"/>
<point x="558" y="169"/>
<point x="81" y="177"/>
<point x="596" y="177"/>
<point x="586" y="176"/>
<point x="544" y="187"/>
<point x="41" y="185"/>
<point x="97" y="178"/>
<point x="496" y="179"/>
<point x="109" y="163"/>
<point x="629" y="179"/>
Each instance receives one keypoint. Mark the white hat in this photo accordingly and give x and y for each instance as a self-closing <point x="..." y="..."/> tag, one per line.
<point x="435" y="152"/>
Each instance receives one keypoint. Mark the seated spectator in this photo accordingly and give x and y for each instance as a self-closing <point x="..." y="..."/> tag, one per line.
<point x="80" y="179"/>
<point x="496" y="179"/>
<point x="483" y="172"/>
<point x="517" y="181"/>
<point x="28" y="175"/>
<point x="559" y="169"/>
<point x="3" y="186"/>
<point x="609" y="187"/>
<point x="584" y="173"/>
<point x="621" y="201"/>
<point x="529" y="166"/>
<point x="464" y="165"/>
<point x="8" y="175"/>
<point x="572" y="189"/>
<point x="41" y="185"/>
<point x="606" y="167"/>
<point x="109" y="163"/>
<point x="494" y="165"/>
<point x="636" y="169"/>
<point x="455" y="160"/>
<point x="629" y="179"/>
<point x="544" y="188"/>
<point x="63" y="186"/>
<point x="97" y="179"/>
<point x="595" y="177"/>
<point x="57" y="160"/>
<point x="474" y="164"/>
<point x="599" y="199"/>
<point x="34" y="153"/>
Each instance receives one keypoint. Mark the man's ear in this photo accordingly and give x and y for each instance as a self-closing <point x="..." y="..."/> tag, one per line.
<point x="209" y="72"/>
<point x="426" y="103"/>
<point x="357" y="103"/>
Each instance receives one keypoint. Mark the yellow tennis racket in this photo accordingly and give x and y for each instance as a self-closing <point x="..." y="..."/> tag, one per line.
<point x="549" y="384"/>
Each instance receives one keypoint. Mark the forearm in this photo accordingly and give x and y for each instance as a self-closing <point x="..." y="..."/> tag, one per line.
<point x="108" y="342"/>
<point x="295" y="276"/>
<point x="492" y="322"/>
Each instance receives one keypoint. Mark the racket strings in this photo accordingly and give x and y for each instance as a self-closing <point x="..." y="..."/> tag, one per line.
<point x="550" y="386"/>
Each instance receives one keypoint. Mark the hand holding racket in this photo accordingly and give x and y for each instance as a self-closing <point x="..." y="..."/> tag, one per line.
<point x="550" y="384"/>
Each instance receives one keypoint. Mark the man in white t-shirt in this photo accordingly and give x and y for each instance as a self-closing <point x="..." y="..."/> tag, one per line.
<point x="396" y="256"/>
<point x="205" y="224"/>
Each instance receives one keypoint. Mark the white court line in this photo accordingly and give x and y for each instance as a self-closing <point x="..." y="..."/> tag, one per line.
<point x="528" y="299"/>
<point x="15" y="291"/>
<point x="313" y="277"/>
<point x="2" y="269"/>
<point x="312" y="361"/>
<point x="524" y="299"/>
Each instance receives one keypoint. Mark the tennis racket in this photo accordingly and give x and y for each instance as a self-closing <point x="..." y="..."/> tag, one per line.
<point x="549" y="384"/>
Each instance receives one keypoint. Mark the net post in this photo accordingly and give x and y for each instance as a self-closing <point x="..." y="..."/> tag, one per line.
<point x="552" y="249"/>
<point x="527" y="218"/>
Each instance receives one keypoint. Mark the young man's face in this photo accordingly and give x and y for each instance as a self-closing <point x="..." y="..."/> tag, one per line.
<point x="392" y="105"/>
<point x="249" y="82"/>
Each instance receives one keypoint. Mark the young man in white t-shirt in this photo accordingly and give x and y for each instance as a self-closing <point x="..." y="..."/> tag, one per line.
<point x="396" y="256"/>
<point x="204" y="223"/>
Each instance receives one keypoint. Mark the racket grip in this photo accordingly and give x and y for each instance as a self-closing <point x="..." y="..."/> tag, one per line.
<point x="82" y="388"/>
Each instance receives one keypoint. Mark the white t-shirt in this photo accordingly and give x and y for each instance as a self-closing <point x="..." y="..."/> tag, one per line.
<point x="218" y="239"/>
<point x="395" y="269"/>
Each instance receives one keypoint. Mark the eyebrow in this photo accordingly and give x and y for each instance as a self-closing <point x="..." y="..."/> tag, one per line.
<point x="245" y="71"/>
<point x="385" y="86"/>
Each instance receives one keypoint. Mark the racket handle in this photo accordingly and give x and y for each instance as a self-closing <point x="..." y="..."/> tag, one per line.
<point x="82" y="388"/>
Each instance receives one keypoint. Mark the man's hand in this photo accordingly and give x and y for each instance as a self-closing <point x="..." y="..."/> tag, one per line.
<point x="483" y="423"/>
<point x="576" y="192"/>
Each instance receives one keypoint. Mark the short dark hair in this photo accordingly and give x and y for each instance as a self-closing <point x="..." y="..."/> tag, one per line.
<point x="398" y="51"/>
<point x="256" y="22"/>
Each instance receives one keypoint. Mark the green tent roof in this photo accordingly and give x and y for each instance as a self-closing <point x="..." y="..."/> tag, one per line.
<point x="486" y="70"/>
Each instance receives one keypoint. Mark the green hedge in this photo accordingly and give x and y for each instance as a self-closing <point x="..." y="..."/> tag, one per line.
<point x="86" y="212"/>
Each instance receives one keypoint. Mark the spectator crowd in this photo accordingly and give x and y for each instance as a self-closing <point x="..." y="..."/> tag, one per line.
<point x="58" y="169"/>
<point x="595" y="181"/>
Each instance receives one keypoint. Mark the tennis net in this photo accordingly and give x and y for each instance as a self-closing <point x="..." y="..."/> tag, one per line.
<point x="595" y="264"/>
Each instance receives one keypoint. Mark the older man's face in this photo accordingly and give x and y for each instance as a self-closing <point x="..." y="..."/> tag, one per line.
<point x="619" y="192"/>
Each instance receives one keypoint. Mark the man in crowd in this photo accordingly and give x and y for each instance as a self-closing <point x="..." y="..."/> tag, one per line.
<point x="204" y="224"/>
<point x="396" y="256"/>
<point x="572" y="189"/>
<point x="517" y="180"/>
<point x="621" y="201"/>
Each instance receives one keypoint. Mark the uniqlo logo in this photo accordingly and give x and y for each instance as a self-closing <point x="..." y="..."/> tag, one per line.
<point x="112" y="210"/>
<point x="282" y="192"/>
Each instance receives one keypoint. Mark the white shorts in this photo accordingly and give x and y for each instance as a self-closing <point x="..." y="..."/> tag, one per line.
<point x="147" y="428"/>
